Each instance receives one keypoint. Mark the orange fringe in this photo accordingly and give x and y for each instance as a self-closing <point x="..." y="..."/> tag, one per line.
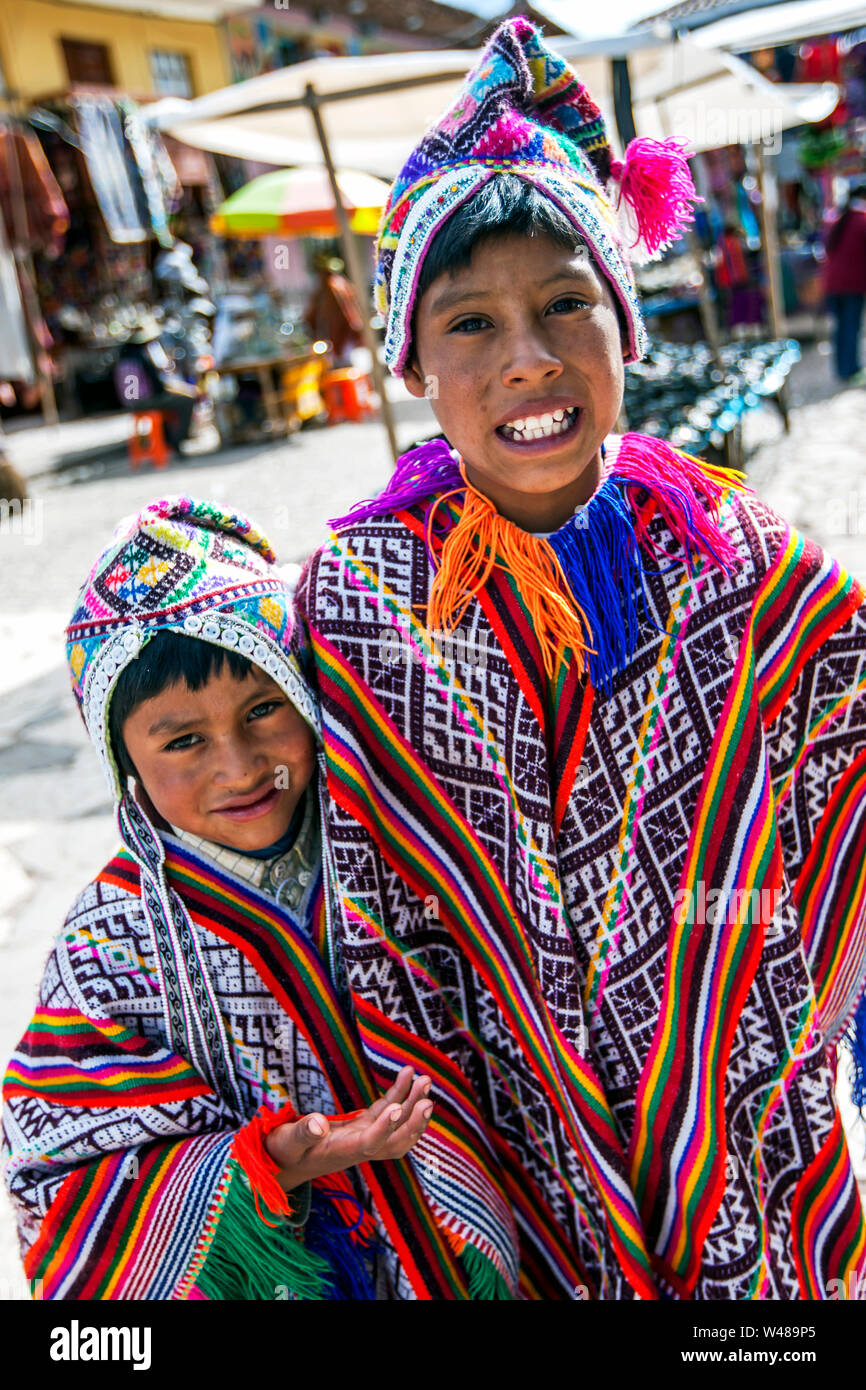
<point x="484" y="539"/>
<point x="457" y="1243"/>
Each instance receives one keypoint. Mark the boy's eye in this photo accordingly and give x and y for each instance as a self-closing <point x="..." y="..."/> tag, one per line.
<point x="264" y="708"/>
<point x="465" y="323"/>
<point x="571" y="300"/>
<point x="184" y="741"/>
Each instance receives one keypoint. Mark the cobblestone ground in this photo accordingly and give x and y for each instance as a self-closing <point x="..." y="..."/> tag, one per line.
<point x="56" y="829"/>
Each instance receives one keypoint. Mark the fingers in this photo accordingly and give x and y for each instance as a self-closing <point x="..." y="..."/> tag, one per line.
<point x="313" y="1128"/>
<point x="418" y="1090"/>
<point x="395" y="1093"/>
<point x="407" y="1134"/>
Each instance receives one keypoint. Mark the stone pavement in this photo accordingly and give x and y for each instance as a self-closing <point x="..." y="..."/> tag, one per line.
<point x="56" y="829"/>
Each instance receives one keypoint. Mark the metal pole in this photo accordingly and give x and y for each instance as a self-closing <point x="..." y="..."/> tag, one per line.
<point x="620" y="80"/>
<point x="354" y="270"/>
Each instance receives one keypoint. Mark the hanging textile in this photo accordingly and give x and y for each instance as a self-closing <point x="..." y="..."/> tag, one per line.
<point x="16" y="360"/>
<point x="43" y="216"/>
<point x="100" y="129"/>
<point x="159" y="182"/>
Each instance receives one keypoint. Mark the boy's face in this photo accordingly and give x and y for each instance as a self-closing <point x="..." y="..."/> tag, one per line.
<point x="228" y="762"/>
<point x="527" y="329"/>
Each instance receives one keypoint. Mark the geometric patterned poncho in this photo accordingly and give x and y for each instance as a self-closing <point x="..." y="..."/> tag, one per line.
<point x="620" y="920"/>
<point x="124" y="1165"/>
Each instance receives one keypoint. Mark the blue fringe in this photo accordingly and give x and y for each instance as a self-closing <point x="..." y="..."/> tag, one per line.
<point x="855" y="1042"/>
<point x="605" y="568"/>
<point x="326" y="1234"/>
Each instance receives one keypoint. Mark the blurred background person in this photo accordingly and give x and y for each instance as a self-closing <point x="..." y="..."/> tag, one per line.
<point x="333" y="312"/>
<point x="845" y="281"/>
<point x="741" y="298"/>
<point x="145" y="379"/>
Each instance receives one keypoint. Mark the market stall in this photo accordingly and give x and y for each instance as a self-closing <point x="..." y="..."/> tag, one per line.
<point x="267" y="371"/>
<point x="294" y="203"/>
<point x="95" y="282"/>
<point x="87" y="194"/>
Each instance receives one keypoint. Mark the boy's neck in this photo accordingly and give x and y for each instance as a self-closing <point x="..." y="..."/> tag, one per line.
<point x="543" y="511"/>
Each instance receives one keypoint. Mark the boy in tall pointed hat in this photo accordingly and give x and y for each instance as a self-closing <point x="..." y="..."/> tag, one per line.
<point x="594" y="725"/>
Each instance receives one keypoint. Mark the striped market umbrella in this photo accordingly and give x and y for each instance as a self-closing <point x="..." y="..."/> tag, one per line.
<point x="300" y="202"/>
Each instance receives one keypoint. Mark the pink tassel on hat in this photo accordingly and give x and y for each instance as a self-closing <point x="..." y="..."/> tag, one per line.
<point x="655" y="180"/>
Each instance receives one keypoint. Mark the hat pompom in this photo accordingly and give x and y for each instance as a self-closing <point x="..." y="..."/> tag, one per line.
<point x="655" y="181"/>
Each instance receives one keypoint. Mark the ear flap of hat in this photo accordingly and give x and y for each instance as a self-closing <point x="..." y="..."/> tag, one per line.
<point x="655" y="195"/>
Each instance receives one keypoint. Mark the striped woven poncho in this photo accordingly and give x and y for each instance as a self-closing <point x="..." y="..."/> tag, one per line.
<point x="618" y="917"/>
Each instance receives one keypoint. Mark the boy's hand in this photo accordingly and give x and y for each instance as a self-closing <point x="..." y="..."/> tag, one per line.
<point x="311" y="1147"/>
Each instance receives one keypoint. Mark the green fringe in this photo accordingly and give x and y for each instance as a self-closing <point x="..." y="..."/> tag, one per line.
<point x="248" y="1260"/>
<point x="485" y="1281"/>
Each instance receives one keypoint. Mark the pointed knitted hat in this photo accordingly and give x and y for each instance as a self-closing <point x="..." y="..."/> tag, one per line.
<point x="187" y="566"/>
<point x="522" y="110"/>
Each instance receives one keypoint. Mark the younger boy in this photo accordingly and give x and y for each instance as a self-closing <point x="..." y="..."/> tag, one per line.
<point x="171" y="1113"/>
<point x="600" y="870"/>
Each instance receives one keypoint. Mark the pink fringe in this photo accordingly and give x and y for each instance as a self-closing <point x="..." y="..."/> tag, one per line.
<point x="656" y="181"/>
<point x="677" y="483"/>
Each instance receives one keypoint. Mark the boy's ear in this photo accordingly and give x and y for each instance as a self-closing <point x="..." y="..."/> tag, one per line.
<point x="414" y="381"/>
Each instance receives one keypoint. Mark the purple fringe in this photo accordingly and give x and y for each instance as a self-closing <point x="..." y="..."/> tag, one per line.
<point x="418" y="474"/>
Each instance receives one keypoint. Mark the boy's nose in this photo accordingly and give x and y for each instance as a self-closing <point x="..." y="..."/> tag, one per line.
<point x="239" y="767"/>
<point x="530" y="359"/>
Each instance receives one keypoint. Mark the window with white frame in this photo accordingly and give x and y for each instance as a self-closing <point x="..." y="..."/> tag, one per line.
<point x="170" y="74"/>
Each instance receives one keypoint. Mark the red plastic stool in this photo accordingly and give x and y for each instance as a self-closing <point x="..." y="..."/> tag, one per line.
<point x="348" y="394"/>
<point x="146" y="443"/>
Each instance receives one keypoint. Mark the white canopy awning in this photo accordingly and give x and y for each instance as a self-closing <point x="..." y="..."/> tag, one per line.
<point x="205" y="10"/>
<point x="778" y="24"/>
<point x="377" y="107"/>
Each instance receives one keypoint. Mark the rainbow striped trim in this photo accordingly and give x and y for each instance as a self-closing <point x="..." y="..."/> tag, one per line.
<point x="72" y="1059"/>
<point x="127" y="1226"/>
<point x="827" y="1222"/>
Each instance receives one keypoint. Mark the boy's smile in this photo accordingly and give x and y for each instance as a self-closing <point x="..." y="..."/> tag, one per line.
<point x="521" y="356"/>
<point x="228" y="762"/>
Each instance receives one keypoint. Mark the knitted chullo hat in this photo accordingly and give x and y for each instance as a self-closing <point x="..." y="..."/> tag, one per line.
<point x="522" y="110"/>
<point x="189" y="567"/>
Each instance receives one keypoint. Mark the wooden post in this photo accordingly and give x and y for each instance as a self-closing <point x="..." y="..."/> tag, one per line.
<point x="767" y="186"/>
<point x="706" y="308"/>
<point x="354" y="271"/>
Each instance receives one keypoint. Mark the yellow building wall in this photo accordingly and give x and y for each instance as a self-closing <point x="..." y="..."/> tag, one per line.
<point x="33" y="64"/>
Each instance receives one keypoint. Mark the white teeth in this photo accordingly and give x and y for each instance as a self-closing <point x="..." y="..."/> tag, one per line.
<point x="541" y="426"/>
